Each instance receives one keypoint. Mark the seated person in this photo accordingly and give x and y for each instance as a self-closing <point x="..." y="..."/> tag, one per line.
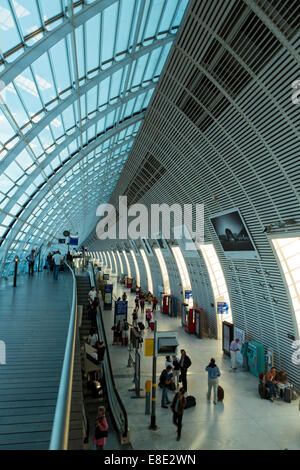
<point x="282" y="378"/>
<point x="271" y="386"/>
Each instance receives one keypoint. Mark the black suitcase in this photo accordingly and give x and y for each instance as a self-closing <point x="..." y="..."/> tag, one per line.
<point x="287" y="395"/>
<point x="141" y="325"/>
<point x="190" y="402"/>
<point x="220" y="393"/>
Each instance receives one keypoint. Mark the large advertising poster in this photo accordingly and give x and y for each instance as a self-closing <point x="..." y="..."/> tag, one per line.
<point x="233" y="235"/>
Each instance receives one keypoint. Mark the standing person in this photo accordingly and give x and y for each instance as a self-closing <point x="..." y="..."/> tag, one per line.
<point x="49" y="262"/>
<point x="185" y="363"/>
<point x="169" y="362"/>
<point x="31" y="259"/>
<point x="142" y="305"/>
<point x="165" y="381"/>
<point x="234" y="348"/>
<point x="148" y="317"/>
<point x="70" y="259"/>
<point x="57" y="259"/>
<point x="92" y="295"/>
<point x="124" y="297"/>
<point x="125" y="329"/>
<point x="93" y="337"/>
<point x="213" y="374"/>
<point x="100" y="348"/>
<point x="155" y="302"/>
<point x="177" y="407"/>
<point x="137" y="303"/>
<point x="101" y="429"/>
<point x="176" y="370"/>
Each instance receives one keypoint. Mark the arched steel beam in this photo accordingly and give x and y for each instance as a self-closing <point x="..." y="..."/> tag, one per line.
<point x="58" y="175"/>
<point x="51" y="38"/>
<point x="51" y="156"/>
<point x="64" y="104"/>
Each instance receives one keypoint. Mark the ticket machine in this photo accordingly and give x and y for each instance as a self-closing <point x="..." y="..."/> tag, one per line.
<point x="256" y="357"/>
<point x="169" y="305"/>
<point x="190" y="320"/>
<point x="128" y="282"/>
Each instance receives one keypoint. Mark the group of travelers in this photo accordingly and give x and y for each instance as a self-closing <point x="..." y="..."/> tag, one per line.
<point x="53" y="262"/>
<point x="273" y="384"/>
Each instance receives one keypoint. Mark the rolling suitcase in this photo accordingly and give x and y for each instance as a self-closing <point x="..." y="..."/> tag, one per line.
<point x="220" y="393"/>
<point x="151" y="324"/>
<point x="190" y="402"/>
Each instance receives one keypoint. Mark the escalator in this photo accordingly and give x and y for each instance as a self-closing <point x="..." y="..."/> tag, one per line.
<point x="118" y="429"/>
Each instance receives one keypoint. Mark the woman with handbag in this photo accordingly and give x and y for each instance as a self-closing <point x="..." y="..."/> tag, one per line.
<point x="101" y="429"/>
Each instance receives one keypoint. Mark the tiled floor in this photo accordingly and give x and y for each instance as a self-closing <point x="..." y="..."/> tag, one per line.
<point x="243" y="421"/>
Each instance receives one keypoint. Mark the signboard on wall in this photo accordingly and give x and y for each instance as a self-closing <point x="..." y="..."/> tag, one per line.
<point x="222" y="308"/>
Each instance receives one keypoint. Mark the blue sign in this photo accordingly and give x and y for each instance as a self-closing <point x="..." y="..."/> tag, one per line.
<point x="74" y="241"/>
<point x="188" y="294"/>
<point x="121" y="308"/>
<point x="222" y="308"/>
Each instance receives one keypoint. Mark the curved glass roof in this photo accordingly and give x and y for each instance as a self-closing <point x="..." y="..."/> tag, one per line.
<point x="76" y="79"/>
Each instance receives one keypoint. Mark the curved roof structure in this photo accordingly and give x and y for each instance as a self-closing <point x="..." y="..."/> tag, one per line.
<point x="76" y="79"/>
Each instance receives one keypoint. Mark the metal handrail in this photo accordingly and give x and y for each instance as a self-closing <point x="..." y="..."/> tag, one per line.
<point x="121" y="418"/>
<point x="60" y="428"/>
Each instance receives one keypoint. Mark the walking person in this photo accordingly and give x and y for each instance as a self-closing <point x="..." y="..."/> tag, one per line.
<point x="154" y="303"/>
<point x="185" y="363"/>
<point x="148" y="317"/>
<point x="57" y="259"/>
<point x="101" y="429"/>
<point x="165" y="381"/>
<point x="49" y="262"/>
<point x="31" y="259"/>
<point x="177" y="407"/>
<point x="137" y="303"/>
<point x="142" y="305"/>
<point x="213" y="381"/>
<point x="234" y="348"/>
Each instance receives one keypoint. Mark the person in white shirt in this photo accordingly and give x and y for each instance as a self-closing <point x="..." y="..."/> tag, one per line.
<point x="234" y="347"/>
<point x="57" y="259"/>
<point x="92" y="338"/>
<point x="92" y="295"/>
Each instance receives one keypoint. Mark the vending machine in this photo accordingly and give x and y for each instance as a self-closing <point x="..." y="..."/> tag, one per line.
<point x="190" y="320"/>
<point x="169" y="305"/>
<point x="128" y="282"/>
<point x="256" y="357"/>
<point x="200" y="329"/>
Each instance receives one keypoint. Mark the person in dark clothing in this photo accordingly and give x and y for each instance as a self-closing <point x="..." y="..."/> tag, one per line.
<point x="185" y="363"/>
<point x="177" y="407"/>
<point x="165" y="381"/>
<point x="31" y="259"/>
<point x="100" y="348"/>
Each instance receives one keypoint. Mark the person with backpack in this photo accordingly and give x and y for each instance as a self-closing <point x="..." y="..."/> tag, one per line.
<point x="184" y="363"/>
<point x="164" y="382"/>
<point x="213" y="374"/>
<point x="177" y="407"/>
<point x="125" y="329"/>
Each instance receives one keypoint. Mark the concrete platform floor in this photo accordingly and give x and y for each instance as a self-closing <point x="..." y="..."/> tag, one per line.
<point x="242" y="422"/>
